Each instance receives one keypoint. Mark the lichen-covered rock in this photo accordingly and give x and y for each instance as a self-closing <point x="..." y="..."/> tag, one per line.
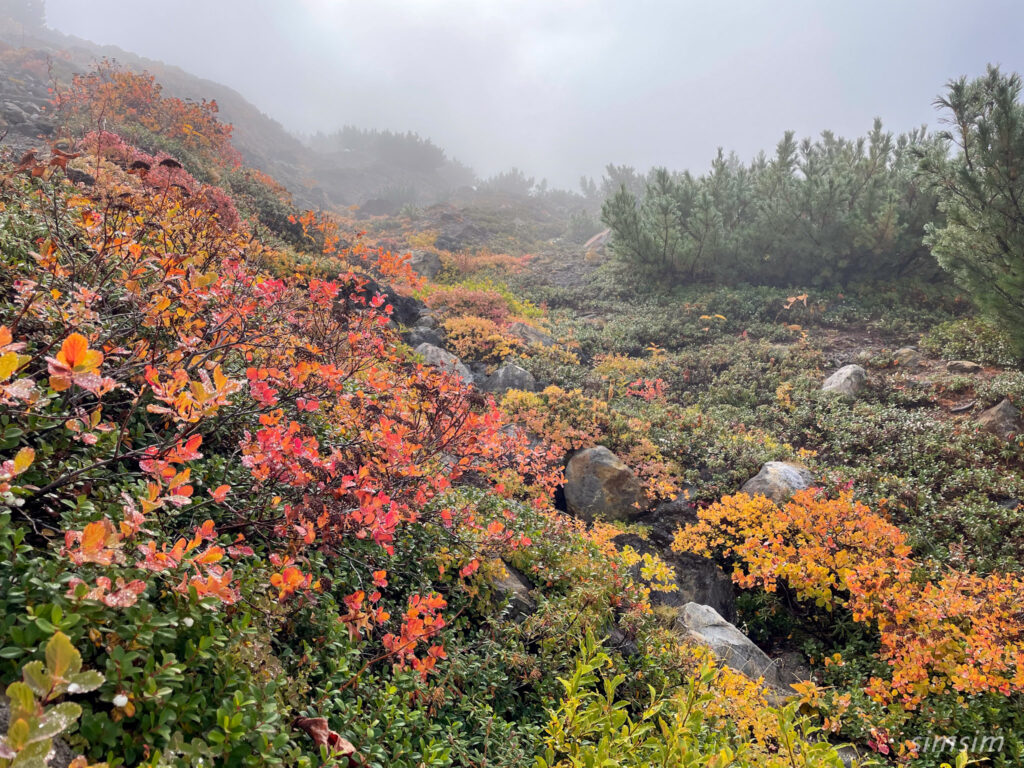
<point x="847" y="381"/>
<point x="778" y="480"/>
<point x="1002" y="419"/>
<point x="509" y="376"/>
<point x="599" y="486"/>
<point x="421" y="334"/>
<point x="434" y="355"/>
<point x="963" y="366"/>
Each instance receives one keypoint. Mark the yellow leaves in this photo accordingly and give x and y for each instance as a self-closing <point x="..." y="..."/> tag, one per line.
<point x="23" y="460"/>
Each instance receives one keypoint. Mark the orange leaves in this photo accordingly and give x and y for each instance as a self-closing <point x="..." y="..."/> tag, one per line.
<point x="186" y="400"/>
<point x="963" y="632"/>
<point x="76" y="364"/>
<point x="289" y="580"/>
<point x="422" y="621"/>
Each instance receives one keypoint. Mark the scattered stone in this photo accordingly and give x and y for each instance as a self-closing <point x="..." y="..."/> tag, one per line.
<point x="425" y="263"/>
<point x="509" y="376"/>
<point x="778" y="480"/>
<point x="512" y="586"/>
<point x="963" y="366"/>
<point x="909" y="358"/>
<point x="530" y="335"/>
<point x="599" y="486"/>
<point x="1003" y="420"/>
<point x="434" y="355"/>
<point x="704" y="625"/>
<point x="847" y="381"/>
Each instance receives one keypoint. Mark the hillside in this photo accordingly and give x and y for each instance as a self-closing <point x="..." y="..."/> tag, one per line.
<point x="466" y="485"/>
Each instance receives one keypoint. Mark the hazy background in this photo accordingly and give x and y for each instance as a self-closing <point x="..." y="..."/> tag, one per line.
<point x="559" y="88"/>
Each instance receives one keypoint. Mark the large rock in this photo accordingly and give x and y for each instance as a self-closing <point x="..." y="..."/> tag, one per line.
<point x="530" y="335"/>
<point x="509" y="376"/>
<point x="847" y="381"/>
<point x="963" y="366"/>
<point x="697" y="579"/>
<point x="404" y="309"/>
<point x="425" y="263"/>
<point x="1002" y="419"/>
<point x="704" y="625"/>
<point x="598" y="485"/>
<point x="778" y="480"/>
<point x="439" y="358"/>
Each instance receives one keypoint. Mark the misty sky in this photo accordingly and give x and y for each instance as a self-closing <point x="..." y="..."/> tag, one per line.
<point x="562" y="87"/>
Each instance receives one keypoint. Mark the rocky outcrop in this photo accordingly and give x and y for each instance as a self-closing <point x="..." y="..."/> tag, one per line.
<point x="425" y="263"/>
<point x="509" y="376"/>
<point x="963" y="366"/>
<point x="434" y="355"/>
<point x="704" y="625"/>
<point x="847" y="381"/>
<point x="530" y="335"/>
<point x="778" y="480"/>
<point x="599" y="486"/>
<point x="1002" y="419"/>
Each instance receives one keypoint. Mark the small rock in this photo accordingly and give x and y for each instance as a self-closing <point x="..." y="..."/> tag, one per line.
<point x="425" y="263"/>
<point x="513" y="587"/>
<point x="599" y="485"/>
<point x="908" y="358"/>
<point x="1003" y="420"/>
<point x="434" y="355"/>
<point x="509" y="376"/>
<point x="847" y="381"/>
<point x="778" y="480"/>
<point x="530" y="335"/>
<point x="963" y="366"/>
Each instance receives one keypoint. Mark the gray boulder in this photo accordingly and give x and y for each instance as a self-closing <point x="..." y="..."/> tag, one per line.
<point x="704" y="625"/>
<point x="847" y="381"/>
<point x="598" y="485"/>
<point x="425" y="263"/>
<point x="509" y="376"/>
<point x="1003" y="420"/>
<point x="434" y="355"/>
<point x="530" y="335"/>
<point x="963" y="366"/>
<point x="908" y="358"/>
<point x="778" y="480"/>
<point x="423" y="335"/>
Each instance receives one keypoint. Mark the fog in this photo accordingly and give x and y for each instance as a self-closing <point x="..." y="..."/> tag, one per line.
<point x="559" y="88"/>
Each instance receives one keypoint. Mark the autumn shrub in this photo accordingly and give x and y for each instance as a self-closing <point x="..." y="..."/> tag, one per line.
<point x="942" y="633"/>
<point x="132" y="104"/>
<point x="478" y="339"/>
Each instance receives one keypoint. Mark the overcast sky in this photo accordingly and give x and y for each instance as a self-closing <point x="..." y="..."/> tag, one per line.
<point x="562" y="87"/>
